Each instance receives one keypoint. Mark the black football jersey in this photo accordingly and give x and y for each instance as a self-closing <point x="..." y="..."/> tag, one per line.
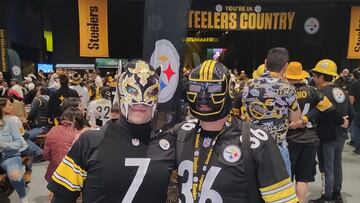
<point x="225" y="179"/>
<point x="121" y="162"/>
<point x="311" y="102"/>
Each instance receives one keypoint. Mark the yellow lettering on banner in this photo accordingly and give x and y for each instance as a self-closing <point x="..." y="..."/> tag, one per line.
<point x="190" y="21"/>
<point x="291" y="16"/>
<point x="224" y="20"/>
<point x="216" y="20"/>
<point x="93" y="28"/>
<point x="252" y="21"/>
<point x="203" y="19"/>
<point x="210" y="25"/>
<point x="354" y="34"/>
<point x="260" y="21"/>
<point x="243" y="21"/>
<point x="268" y="21"/>
<point x="233" y="22"/>
<point x="275" y="20"/>
<point x="282" y="21"/>
<point x="197" y="19"/>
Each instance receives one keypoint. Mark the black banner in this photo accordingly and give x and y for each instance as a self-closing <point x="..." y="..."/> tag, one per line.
<point x="165" y="29"/>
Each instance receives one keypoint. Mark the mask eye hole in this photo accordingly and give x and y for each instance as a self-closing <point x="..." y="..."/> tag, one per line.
<point x="131" y="90"/>
<point x="216" y="88"/>
<point x="194" y="87"/>
<point x="153" y="92"/>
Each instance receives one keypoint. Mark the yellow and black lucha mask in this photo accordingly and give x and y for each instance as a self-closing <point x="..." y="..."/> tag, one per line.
<point x="138" y="84"/>
<point x="208" y="91"/>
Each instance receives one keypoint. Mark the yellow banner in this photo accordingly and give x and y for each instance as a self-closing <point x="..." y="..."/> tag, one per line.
<point x="93" y="28"/>
<point x="354" y="34"/>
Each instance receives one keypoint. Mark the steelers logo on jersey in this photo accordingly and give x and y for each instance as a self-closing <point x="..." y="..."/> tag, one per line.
<point x="232" y="153"/>
<point x="338" y="95"/>
<point x="164" y="144"/>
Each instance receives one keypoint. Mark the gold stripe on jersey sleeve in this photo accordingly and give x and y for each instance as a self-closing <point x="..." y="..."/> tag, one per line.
<point x="324" y="104"/>
<point x="211" y="70"/>
<point x="77" y="167"/>
<point x="282" y="191"/>
<point x="65" y="182"/>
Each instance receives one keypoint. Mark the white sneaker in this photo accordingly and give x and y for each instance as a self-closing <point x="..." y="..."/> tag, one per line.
<point x="24" y="200"/>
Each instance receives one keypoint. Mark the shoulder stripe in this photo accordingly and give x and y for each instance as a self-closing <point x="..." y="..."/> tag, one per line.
<point x="65" y="182"/>
<point x="72" y="162"/>
<point x="276" y="185"/>
<point x="74" y="169"/>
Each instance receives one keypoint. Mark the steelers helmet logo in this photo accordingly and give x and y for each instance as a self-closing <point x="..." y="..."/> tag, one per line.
<point x="232" y="153"/>
<point x="257" y="110"/>
<point x="166" y="56"/>
<point x="164" y="144"/>
<point x="338" y="95"/>
<point x="312" y="25"/>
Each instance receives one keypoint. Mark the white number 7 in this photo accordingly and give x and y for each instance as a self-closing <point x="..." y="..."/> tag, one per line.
<point x="143" y="164"/>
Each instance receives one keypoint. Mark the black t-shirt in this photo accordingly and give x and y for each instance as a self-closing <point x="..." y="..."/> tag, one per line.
<point x="225" y="179"/>
<point x="355" y="92"/>
<point x="57" y="98"/>
<point x="120" y="163"/>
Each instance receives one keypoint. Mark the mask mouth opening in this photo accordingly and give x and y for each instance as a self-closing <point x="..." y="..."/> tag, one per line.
<point x="204" y="108"/>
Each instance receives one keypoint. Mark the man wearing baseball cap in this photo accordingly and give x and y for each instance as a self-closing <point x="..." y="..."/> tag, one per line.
<point x="303" y="141"/>
<point x="332" y="136"/>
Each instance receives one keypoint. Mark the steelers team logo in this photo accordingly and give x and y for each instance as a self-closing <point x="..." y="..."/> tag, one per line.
<point x="166" y="56"/>
<point x="232" y="153"/>
<point x="312" y="25"/>
<point x="164" y="144"/>
<point x="338" y="95"/>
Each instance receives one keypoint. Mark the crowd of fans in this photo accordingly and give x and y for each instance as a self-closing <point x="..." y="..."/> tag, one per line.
<point x="280" y="97"/>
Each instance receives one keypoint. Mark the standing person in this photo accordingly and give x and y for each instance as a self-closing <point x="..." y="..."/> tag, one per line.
<point x="99" y="110"/>
<point x="124" y="161"/>
<point x="3" y="86"/>
<point x="216" y="162"/>
<point x="10" y="160"/>
<point x="57" y="98"/>
<point x="332" y="136"/>
<point x="354" y="94"/>
<point x="82" y="91"/>
<point x="270" y="101"/>
<point x="304" y="142"/>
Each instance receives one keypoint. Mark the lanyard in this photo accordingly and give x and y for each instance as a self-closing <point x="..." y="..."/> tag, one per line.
<point x="199" y="172"/>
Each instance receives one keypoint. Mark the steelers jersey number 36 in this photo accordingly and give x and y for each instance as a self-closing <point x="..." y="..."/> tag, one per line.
<point x="186" y="167"/>
<point x="143" y="164"/>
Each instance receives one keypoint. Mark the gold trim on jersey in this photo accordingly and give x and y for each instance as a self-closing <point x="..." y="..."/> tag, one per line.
<point x="69" y="175"/>
<point x="324" y="104"/>
<point x="282" y="191"/>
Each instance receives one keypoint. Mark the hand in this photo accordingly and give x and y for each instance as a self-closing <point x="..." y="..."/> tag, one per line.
<point x="346" y="122"/>
<point x="296" y="124"/>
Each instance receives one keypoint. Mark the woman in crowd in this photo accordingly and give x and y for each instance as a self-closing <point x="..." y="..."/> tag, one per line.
<point x="10" y="161"/>
<point x="60" y="138"/>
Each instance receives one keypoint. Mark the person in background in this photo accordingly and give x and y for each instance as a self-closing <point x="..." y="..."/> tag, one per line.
<point x="58" y="97"/>
<point x="30" y="95"/>
<point x="303" y="141"/>
<point x="82" y="91"/>
<point x="39" y="114"/>
<point x="354" y="93"/>
<point x="270" y="101"/>
<point x="16" y="90"/>
<point x="10" y="160"/>
<point x="99" y="110"/>
<point x="3" y="86"/>
<point x="60" y="138"/>
<point x="332" y="136"/>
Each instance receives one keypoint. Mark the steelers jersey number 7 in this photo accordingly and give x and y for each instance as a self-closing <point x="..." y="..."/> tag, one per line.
<point x="186" y="167"/>
<point x="143" y="164"/>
